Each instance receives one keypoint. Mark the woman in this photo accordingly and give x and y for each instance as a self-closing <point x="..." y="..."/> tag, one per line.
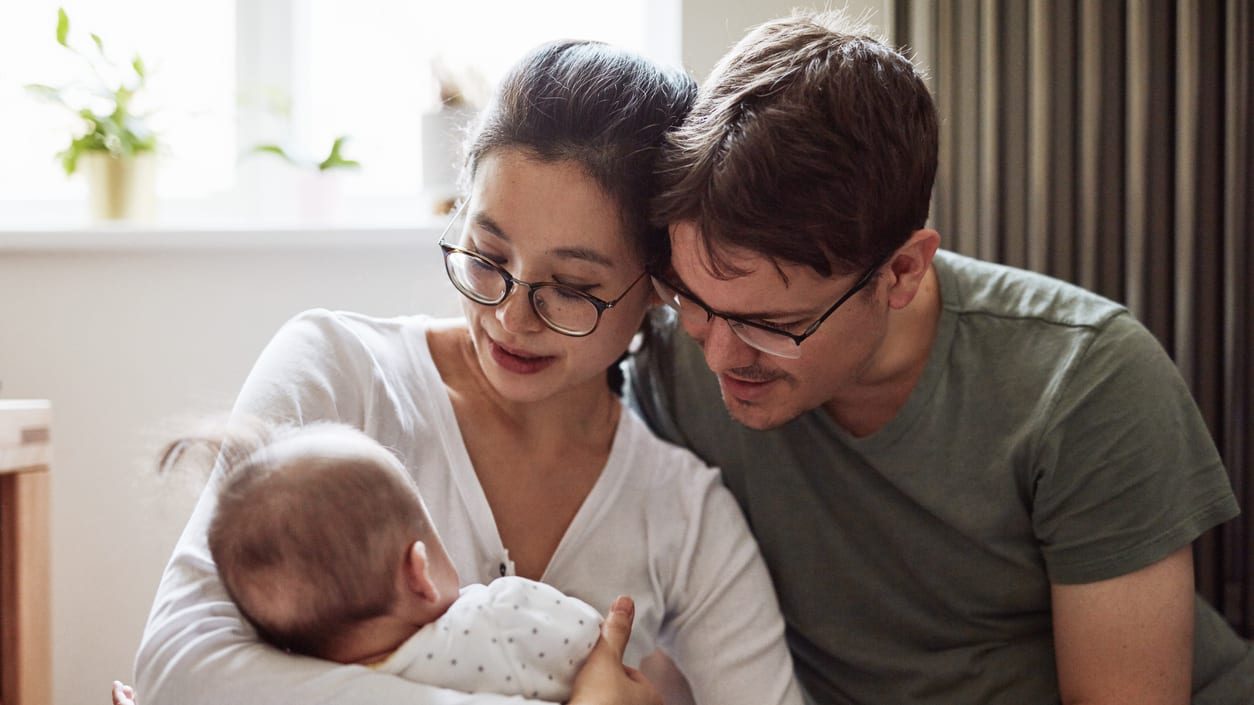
<point x="530" y="465"/>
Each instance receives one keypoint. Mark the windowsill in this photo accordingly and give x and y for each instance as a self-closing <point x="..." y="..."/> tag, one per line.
<point x="159" y="238"/>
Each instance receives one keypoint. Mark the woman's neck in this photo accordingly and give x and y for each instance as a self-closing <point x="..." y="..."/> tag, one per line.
<point x="587" y="411"/>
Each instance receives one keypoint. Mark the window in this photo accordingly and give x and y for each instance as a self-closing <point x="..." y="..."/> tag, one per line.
<point x="229" y="75"/>
<point x="195" y="93"/>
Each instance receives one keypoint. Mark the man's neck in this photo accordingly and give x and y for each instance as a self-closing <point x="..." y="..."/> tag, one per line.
<point x="866" y="407"/>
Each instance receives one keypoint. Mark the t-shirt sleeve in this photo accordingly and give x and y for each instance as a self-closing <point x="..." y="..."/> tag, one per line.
<point x="723" y="625"/>
<point x="1127" y="472"/>
<point x="196" y="647"/>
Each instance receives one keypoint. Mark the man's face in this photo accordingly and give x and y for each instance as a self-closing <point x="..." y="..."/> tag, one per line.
<point x="763" y="391"/>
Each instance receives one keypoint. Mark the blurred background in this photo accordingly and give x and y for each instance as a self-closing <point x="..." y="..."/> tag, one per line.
<point x="289" y="154"/>
<point x="135" y="323"/>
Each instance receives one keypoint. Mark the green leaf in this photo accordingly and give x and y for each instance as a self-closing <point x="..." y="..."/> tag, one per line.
<point x="69" y="160"/>
<point x="63" y="26"/>
<point x="48" y="93"/>
<point x="339" y="164"/>
<point x="122" y="98"/>
<point x="99" y="43"/>
<point x="138" y="64"/>
<point x="336" y="146"/>
<point x="275" y="150"/>
<point x="335" y="159"/>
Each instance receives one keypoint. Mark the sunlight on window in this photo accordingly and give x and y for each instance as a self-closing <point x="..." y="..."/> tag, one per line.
<point x="370" y="67"/>
<point x="189" y="51"/>
<point x="229" y="75"/>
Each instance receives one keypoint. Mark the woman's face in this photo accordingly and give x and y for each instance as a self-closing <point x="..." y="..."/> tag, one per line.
<point x="548" y="222"/>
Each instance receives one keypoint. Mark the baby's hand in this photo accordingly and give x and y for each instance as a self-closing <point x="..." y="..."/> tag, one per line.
<point x="123" y="694"/>
<point x="604" y="680"/>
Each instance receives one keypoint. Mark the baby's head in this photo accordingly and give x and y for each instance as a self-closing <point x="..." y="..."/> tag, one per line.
<point x="322" y="540"/>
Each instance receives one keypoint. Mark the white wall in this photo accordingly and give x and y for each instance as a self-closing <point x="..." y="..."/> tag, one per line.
<point x="131" y="344"/>
<point x="711" y="27"/>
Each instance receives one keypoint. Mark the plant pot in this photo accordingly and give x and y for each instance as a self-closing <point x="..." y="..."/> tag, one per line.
<point x="319" y="197"/>
<point x="442" y="133"/>
<point x="121" y="189"/>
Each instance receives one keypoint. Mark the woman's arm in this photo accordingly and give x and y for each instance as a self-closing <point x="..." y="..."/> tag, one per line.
<point x="724" y="626"/>
<point x="196" y="647"/>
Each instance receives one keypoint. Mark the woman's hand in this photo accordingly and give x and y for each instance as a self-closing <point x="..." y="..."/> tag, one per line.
<point x="123" y="694"/>
<point x="604" y="680"/>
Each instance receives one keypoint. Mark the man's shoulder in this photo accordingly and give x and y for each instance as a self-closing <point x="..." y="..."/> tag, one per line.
<point x="973" y="287"/>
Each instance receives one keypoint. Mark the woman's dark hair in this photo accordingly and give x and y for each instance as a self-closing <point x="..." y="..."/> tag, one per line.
<point x="602" y="107"/>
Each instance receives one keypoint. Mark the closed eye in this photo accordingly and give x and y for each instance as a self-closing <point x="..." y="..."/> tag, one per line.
<point x="785" y="326"/>
<point x="494" y="259"/>
<point x="585" y="288"/>
<point x="569" y="293"/>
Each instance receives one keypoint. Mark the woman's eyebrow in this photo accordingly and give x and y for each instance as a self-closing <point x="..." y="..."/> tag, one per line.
<point x="486" y="222"/>
<point x="585" y="254"/>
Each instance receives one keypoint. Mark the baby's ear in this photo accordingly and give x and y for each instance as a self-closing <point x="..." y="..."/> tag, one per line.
<point x="417" y="573"/>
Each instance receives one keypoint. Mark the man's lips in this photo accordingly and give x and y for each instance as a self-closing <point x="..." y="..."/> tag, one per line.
<point x="746" y="389"/>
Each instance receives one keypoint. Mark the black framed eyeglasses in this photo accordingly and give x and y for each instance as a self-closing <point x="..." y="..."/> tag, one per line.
<point x="764" y="337"/>
<point x="562" y="308"/>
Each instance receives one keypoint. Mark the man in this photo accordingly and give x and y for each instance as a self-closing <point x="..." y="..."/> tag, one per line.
<point x="972" y="484"/>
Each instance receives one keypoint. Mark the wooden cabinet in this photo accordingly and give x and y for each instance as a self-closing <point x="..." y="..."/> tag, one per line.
<point x="25" y="589"/>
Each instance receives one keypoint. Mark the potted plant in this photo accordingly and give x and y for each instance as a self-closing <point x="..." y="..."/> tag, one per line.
<point x="443" y="129"/>
<point x="318" y="189"/>
<point x="115" y="146"/>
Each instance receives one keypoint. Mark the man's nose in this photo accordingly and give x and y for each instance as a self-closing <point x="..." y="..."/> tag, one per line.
<point x="724" y="350"/>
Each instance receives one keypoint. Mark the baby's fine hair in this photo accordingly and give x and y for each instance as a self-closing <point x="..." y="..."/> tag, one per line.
<point x="307" y="545"/>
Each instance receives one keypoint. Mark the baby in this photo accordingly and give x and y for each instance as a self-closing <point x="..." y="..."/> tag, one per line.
<point x="322" y="540"/>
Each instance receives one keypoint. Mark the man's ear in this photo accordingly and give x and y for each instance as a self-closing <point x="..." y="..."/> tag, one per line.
<point x="908" y="266"/>
<point x="417" y="573"/>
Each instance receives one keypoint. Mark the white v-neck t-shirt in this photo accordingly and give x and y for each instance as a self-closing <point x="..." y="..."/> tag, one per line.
<point x="657" y="525"/>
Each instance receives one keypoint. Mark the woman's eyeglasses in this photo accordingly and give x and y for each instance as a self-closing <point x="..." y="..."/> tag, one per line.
<point x="564" y="309"/>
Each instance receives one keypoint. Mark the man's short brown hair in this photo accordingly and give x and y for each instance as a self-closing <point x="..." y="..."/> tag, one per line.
<point x="811" y="143"/>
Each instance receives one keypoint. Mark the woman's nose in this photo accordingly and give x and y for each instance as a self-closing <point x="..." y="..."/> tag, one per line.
<point x="515" y="313"/>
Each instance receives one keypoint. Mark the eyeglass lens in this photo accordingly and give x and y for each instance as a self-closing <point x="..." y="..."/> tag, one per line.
<point x="694" y="314"/>
<point x="560" y="308"/>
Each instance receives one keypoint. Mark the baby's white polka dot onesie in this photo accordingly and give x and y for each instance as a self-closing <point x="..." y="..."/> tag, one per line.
<point x="513" y="636"/>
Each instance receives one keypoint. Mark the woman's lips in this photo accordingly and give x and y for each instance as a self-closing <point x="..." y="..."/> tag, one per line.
<point x="517" y="361"/>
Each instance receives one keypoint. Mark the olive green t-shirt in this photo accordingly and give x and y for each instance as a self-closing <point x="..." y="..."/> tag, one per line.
<point x="1050" y="439"/>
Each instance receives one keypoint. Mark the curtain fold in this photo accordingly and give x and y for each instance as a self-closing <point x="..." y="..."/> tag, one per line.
<point x="1107" y="142"/>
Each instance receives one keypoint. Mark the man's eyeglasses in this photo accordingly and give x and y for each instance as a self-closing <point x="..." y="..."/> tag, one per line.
<point x="764" y="337"/>
<point x="564" y="309"/>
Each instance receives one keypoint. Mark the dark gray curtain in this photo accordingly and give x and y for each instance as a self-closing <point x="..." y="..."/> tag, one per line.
<point x="1108" y="143"/>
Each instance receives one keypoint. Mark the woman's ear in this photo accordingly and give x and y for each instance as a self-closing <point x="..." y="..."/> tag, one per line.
<point x="417" y="573"/>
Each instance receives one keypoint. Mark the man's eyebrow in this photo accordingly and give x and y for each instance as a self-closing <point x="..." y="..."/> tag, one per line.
<point x="749" y="315"/>
<point x="586" y="254"/>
